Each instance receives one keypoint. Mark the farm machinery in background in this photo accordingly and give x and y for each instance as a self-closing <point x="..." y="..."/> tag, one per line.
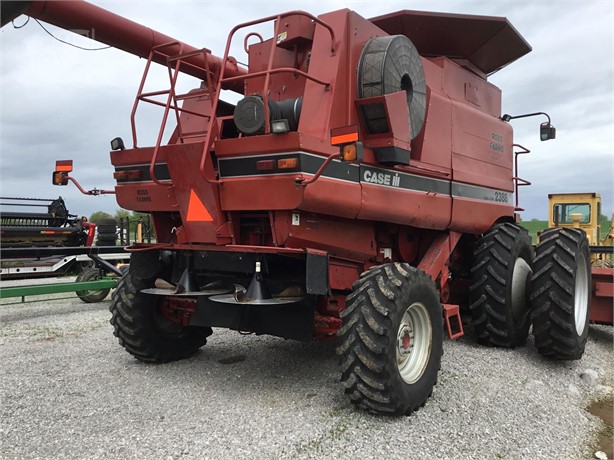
<point x="361" y="190"/>
<point x="56" y="242"/>
<point x="55" y="227"/>
<point x="583" y="211"/>
<point x="52" y="243"/>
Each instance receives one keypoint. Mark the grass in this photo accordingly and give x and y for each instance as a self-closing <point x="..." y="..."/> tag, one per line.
<point x="534" y="226"/>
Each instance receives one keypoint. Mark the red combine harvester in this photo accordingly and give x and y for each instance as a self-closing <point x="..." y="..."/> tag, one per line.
<point x="362" y="189"/>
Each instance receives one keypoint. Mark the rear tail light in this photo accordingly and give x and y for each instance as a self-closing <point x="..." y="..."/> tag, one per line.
<point x="132" y="174"/>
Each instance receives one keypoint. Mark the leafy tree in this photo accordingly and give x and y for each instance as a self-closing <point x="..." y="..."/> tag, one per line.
<point x="100" y="215"/>
<point x="121" y="214"/>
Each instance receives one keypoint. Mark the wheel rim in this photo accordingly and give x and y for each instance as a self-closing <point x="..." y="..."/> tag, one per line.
<point x="522" y="272"/>
<point x="414" y="339"/>
<point x="581" y="295"/>
<point x="93" y="292"/>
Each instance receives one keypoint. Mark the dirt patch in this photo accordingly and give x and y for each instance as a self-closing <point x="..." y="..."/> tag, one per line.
<point x="604" y="409"/>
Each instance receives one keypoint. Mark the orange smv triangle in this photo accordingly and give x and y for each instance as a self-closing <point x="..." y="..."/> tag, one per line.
<point x="196" y="210"/>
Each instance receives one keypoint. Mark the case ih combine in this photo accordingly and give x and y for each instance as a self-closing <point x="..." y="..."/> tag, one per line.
<point x="362" y="189"/>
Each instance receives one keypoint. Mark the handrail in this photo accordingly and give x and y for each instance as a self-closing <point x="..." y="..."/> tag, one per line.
<point x="320" y="170"/>
<point x="171" y="100"/>
<point x="171" y="94"/>
<point x="247" y="37"/>
<point x="267" y="73"/>
<point x="279" y="70"/>
<point x="518" y="181"/>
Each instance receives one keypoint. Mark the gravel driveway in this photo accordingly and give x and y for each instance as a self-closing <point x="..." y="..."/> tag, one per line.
<point x="70" y="391"/>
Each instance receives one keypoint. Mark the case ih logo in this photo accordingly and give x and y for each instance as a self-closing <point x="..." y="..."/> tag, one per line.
<point x="381" y="178"/>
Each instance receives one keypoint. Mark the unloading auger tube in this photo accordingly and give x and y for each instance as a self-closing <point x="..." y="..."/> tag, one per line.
<point x="121" y="33"/>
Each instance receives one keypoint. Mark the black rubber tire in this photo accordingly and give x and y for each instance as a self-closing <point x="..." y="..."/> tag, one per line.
<point x="143" y="331"/>
<point x="91" y="296"/>
<point x="560" y="293"/>
<point x="372" y="321"/>
<point x="496" y="319"/>
<point x="107" y="235"/>
<point x="103" y="242"/>
<point x="106" y="222"/>
<point x="106" y="229"/>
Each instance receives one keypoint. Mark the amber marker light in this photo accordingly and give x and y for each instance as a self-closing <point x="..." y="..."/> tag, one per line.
<point x="287" y="163"/>
<point x="132" y="174"/>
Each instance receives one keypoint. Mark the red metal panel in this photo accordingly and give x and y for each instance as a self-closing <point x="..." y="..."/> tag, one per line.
<point x="419" y="209"/>
<point x="477" y="216"/>
<point x="481" y="149"/>
<point x="145" y="197"/>
<point x="290" y="142"/>
<point x="433" y="145"/>
<point x="489" y="43"/>
<point x="341" y="237"/>
<point x="323" y="110"/>
<point x="334" y="197"/>
<point x="436" y="257"/>
<point x="463" y="86"/>
<point x="256" y="194"/>
<point x="602" y="306"/>
<point x="281" y="86"/>
<point x="191" y="192"/>
<point x="342" y="274"/>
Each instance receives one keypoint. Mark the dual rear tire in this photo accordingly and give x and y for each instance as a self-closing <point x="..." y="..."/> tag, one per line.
<point x="510" y="290"/>
<point x="390" y="344"/>
<point x="561" y="293"/>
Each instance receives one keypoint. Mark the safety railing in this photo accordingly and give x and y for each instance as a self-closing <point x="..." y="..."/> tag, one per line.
<point x="518" y="181"/>
<point x="174" y="63"/>
<point x="212" y="132"/>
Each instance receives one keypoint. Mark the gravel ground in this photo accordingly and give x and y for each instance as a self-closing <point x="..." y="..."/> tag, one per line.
<point x="70" y="391"/>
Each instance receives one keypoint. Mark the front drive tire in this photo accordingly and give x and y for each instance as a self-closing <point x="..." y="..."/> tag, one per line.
<point x="143" y="331"/>
<point x="561" y="293"/>
<point x="391" y="339"/>
<point x="501" y="271"/>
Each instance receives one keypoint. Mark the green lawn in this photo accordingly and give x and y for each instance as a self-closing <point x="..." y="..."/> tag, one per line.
<point x="534" y="226"/>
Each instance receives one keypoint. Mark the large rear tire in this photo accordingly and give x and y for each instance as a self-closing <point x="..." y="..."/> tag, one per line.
<point x="391" y="339"/>
<point x="561" y="293"/>
<point x="501" y="272"/>
<point x="139" y="325"/>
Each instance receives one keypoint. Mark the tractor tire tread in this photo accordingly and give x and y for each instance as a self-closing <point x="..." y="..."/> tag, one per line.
<point x="364" y="347"/>
<point x="491" y="281"/>
<point x="552" y="297"/>
<point x="132" y="317"/>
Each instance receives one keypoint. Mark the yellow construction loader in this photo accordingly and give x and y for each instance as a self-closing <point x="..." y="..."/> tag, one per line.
<point x="583" y="211"/>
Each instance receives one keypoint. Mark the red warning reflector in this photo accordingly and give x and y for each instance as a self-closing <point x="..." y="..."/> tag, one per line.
<point x="197" y="212"/>
<point x="63" y="165"/>
<point x="265" y="165"/>
<point x="343" y="135"/>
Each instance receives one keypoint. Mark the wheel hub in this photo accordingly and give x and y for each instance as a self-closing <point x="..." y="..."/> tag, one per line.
<point x="405" y="340"/>
<point x="414" y="340"/>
